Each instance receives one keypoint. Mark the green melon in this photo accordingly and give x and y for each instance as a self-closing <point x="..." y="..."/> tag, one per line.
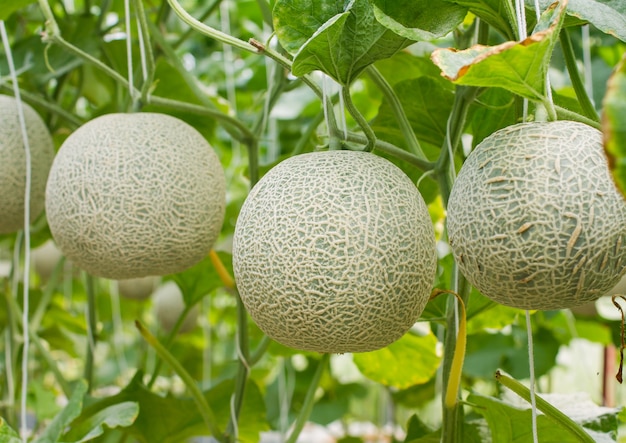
<point x="334" y="252"/>
<point x="13" y="163"/>
<point x="133" y="195"/>
<point x="169" y="305"/>
<point x="534" y="218"/>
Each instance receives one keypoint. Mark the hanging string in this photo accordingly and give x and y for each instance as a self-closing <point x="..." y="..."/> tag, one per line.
<point x="229" y="70"/>
<point x="587" y="62"/>
<point x="27" y="191"/>
<point x="521" y="24"/>
<point x="342" y="120"/>
<point x="129" y="50"/>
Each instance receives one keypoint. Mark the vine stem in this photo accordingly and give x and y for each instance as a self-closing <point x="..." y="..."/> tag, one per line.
<point x="144" y="35"/>
<point x="358" y="117"/>
<point x="579" y="88"/>
<point x="91" y="329"/>
<point x="169" y="340"/>
<point x="198" y="396"/>
<point x="550" y="411"/>
<point x="309" y="400"/>
<point x="209" y="31"/>
<point x="398" y="111"/>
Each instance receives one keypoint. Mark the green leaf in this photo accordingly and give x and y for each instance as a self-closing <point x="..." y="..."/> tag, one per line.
<point x="8" y="434"/>
<point x="427" y="103"/>
<point x="419" y="19"/>
<point x="10" y="6"/>
<point x="512" y="424"/>
<point x="609" y="16"/>
<point x="614" y="124"/>
<point x="339" y="38"/>
<point x="118" y="415"/>
<point x="171" y="419"/>
<point x="64" y="418"/>
<point x="495" y="111"/>
<point x="412" y="360"/>
<point x="519" y="67"/>
<point x="201" y="279"/>
<point x="487" y="352"/>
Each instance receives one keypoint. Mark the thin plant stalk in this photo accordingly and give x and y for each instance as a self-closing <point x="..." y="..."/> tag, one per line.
<point x="579" y="87"/>
<point x="550" y="411"/>
<point x="393" y="101"/>
<point x="169" y="340"/>
<point x="91" y="330"/>
<point x="205" y="409"/>
<point x="309" y="400"/>
<point x="358" y="117"/>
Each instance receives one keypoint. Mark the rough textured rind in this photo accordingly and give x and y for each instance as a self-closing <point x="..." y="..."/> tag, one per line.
<point x="132" y="195"/>
<point x="534" y="218"/>
<point x="13" y="163"/>
<point x="334" y="252"/>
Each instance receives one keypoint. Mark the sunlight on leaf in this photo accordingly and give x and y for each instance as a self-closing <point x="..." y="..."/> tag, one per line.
<point x="614" y="124"/>
<point x="519" y="67"/>
<point x="339" y="40"/>
<point x="419" y="19"/>
<point x="412" y="360"/>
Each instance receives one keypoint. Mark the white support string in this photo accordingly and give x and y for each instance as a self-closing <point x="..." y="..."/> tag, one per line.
<point x="342" y="120"/>
<point x="27" y="192"/>
<point x="521" y="24"/>
<point x="587" y="62"/>
<point x="129" y="50"/>
<point x="325" y="104"/>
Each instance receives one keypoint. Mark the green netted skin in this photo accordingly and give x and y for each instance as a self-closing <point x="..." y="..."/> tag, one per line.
<point x="334" y="252"/>
<point x="534" y="218"/>
<point x="132" y="195"/>
<point x="13" y="163"/>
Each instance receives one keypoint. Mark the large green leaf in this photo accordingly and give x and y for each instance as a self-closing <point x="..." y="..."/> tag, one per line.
<point x="419" y="19"/>
<point x="412" y="360"/>
<point x="339" y="38"/>
<point x="608" y="16"/>
<point x="614" y="124"/>
<point x="60" y="423"/>
<point x="427" y="102"/>
<point x="519" y="67"/>
<point x="487" y="352"/>
<point x="513" y="425"/>
<point x="172" y="419"/>
<point x="118" y="415"/>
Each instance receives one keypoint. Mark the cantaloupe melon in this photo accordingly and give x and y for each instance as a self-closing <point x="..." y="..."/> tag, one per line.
<point x="137" y="288"/>
<point x="13" y="163"/>
<point x="334" y="252"/>
<point x="534" y="218"/>
<point x="132" y="195"/>
<point x="169" y="306"/>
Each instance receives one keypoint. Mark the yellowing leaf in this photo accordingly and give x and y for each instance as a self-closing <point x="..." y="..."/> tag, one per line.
<point x="519" y="67"/>
<point x="614" y="124"/>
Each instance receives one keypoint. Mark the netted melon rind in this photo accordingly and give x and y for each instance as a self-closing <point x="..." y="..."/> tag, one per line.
<point x="133" y="195"/>
<point x="334" y="252"/>
<point x="13" y="163"/>
<point x="534" y="218"/>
